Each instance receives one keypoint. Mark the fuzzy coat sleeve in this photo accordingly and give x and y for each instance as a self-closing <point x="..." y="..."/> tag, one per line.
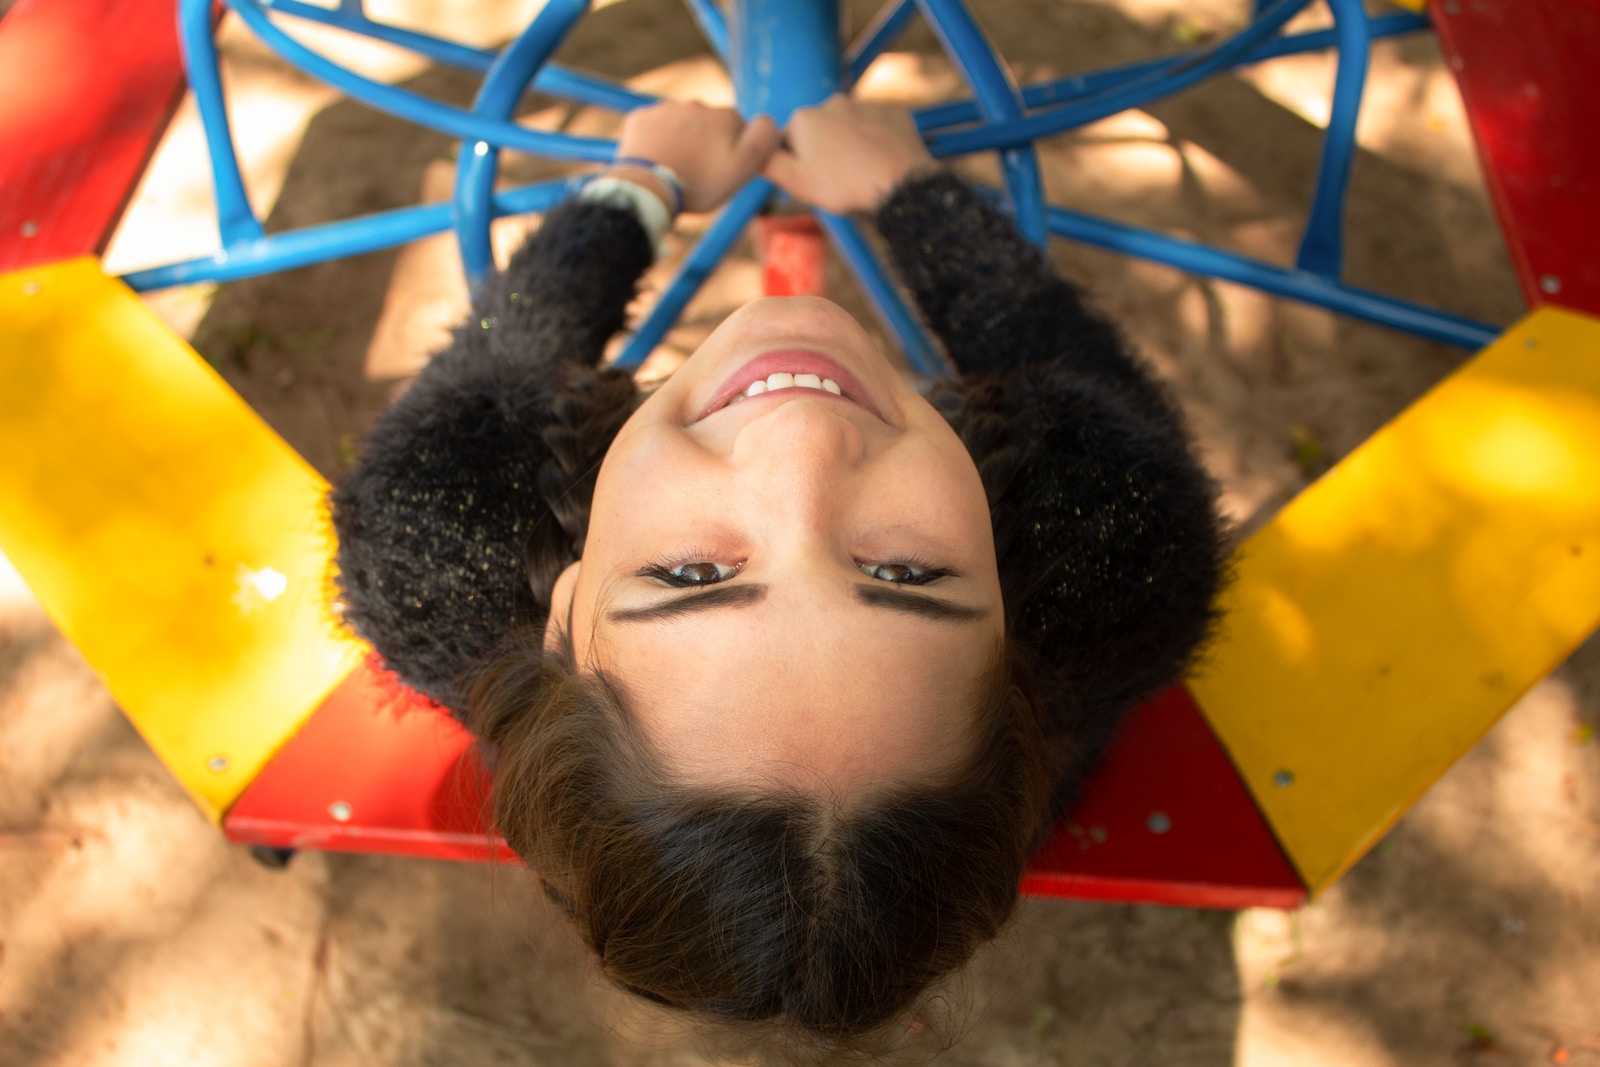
<point x="1105" y="525"/>
<point x="434" y="520"/>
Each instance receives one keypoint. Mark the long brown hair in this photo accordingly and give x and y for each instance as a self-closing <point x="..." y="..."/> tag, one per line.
<point x="827" y="919"/>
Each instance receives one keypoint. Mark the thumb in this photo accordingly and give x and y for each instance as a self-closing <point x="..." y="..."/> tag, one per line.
<point x="756" y="143"/>
<point x="784" y="170"/>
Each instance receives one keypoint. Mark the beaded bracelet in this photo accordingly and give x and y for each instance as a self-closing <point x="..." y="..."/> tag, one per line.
<point x="662" y="173"/>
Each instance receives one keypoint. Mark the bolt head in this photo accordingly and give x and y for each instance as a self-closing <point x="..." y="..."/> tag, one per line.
<point x="1550" y="284"/>
<point x="217" y="764"/>
<point x="1158" y="822"/>
<point x="30" y="228"/>
<point x="340" y="811"/>
<point x="1283" y="779"/>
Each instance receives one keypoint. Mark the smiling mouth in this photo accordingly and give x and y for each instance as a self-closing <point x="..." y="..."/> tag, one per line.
<point x="791" y="370"/>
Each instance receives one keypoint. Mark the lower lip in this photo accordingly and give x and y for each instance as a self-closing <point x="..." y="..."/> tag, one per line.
<point x="789" y="361"/>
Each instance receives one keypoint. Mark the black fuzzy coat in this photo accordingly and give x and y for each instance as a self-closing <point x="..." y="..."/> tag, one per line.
<point x="473" y="490"/>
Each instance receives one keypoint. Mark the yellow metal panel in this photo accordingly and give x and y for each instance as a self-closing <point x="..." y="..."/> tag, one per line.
<point x="1418" y="6"/>
<point x="1395" y="609"/>
<point x="174" y="538"/>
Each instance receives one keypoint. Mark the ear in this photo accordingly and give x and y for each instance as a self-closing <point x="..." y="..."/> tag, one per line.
<point x="561" y="605"/>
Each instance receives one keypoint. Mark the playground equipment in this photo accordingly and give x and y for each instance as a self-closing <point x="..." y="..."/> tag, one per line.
<point x="1380" y="623"/>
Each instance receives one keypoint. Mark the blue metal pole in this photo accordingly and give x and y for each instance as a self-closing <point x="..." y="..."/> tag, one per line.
<point x="497" y="98"/>
<point x="784" y="54"/>
<point x="413" y="108"/>
<point x="1293" y="284"/>
<point x="1322" y="246"/>
<point x="235" y="219"/>
<point x="708" y="16"/>
<point x="890" y="20"/>
<point x="997" y="96"/>
<point x="335" y="240"/>
<point x="885" y="298"/>
<point x="1080" y="86"/>
<point x="695" y="269"/>
<point x="1170" y="79"/>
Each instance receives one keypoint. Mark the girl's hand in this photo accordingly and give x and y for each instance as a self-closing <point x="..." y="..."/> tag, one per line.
<point x="712" y="150"/>
<point x="844" y="155"/>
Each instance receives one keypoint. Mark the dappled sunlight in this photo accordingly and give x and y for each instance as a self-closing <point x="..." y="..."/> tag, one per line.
<point x="909" y="79"/>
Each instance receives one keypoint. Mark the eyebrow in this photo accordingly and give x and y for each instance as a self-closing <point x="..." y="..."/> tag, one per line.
<point x="746" y="593"/>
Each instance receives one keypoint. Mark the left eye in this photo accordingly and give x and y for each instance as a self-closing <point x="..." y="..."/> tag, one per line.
<point x="903" y="573"/>
<point x="696" y="572"/>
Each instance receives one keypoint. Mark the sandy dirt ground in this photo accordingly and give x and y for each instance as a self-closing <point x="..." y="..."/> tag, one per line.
<point x="132" y="934"/>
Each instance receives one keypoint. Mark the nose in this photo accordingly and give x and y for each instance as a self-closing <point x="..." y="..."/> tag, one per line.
<point x="798" y="458"/>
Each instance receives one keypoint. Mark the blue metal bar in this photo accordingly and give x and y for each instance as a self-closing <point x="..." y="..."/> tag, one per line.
<point x="996" y="91"/>
<point x="695" y="269"/>
<point x="414" y="108"/>
<point x="712" y="25"/>
<point x="785" y="55"/>
<point x="1170" y="79"/>
<point x="1065" y="90"/>
<point x="235" y="219"/>
<point x="554" y="79"/>
<point x="497" y="98"/>
<point x="887" y="24"/>
<point x="1322" y="246"/>
<point x="855" y="250"/>
<point x="335" y="240"/>
<point x="1295" y="285"/>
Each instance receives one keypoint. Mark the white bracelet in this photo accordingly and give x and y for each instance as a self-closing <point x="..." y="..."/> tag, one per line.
<point x="645" y="205"/>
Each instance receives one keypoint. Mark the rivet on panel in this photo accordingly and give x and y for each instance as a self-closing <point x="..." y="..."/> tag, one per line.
<point x="30" y="228"/>
<point x="1283" y="779"/>
<point x="1158" y="822"/>
<point x="340" y="811"/>
<point x="217" y="763"/>
<point x="31" y="288"/>
<point x="1550" y="284"/>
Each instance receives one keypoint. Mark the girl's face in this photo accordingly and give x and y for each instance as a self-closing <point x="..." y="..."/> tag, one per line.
<point x="793" y="587"/>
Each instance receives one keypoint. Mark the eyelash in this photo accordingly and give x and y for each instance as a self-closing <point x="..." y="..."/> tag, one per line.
<point x="662" y="570"/>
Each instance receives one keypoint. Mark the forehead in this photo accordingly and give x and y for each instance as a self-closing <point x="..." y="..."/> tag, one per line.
<point x="846" y="700"/>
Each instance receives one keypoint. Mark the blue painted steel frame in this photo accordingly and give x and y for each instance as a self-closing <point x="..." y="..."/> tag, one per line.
<point x="804" y="70"/>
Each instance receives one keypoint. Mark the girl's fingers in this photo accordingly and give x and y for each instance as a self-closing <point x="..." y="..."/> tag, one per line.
<point x="756" y="143"/>
<point x="783" y="169"/>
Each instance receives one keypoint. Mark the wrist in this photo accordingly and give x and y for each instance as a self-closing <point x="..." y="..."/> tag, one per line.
<point x="659" y="180"/>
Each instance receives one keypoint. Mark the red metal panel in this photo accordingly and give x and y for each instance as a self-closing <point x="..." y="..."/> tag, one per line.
<point x="1526" y="69"/>
<point x="1166" y="820"/>
<point x="794" y="255"/>
<point x="378" y="769"/>
<point x="86" y="89"/>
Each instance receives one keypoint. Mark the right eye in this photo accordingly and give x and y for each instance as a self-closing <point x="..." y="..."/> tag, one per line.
<point x="690" y="573"/>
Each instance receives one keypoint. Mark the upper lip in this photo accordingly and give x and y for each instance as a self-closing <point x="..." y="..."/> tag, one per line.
<point x="792" y="361"/>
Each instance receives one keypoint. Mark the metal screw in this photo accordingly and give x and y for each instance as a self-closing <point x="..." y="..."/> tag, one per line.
<point x="340" y="811"/>
<point x="30" y="228"/>
<point x="1550" y="284"/>
<point x="1158" y="823"/>
<point x="218" y="763"/>
<point x="1283" y="779"/>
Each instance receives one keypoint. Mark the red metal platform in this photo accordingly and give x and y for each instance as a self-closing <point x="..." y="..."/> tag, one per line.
<point x="88" y="87"/>
<point x="1526" y="69"/>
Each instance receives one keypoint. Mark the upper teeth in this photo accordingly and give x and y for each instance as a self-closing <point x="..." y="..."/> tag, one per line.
<point x="793" y="381"/>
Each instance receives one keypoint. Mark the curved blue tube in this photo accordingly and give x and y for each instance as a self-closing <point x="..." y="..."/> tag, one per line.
<point x="414" y="108"/>
<point x="713" y="25"/>
<point x="235" y="220"/>
<point x="497" y="99"/>
<point x="997" y="96"/>
<point x="1169" y="79"/>
<point x="1322" y="246"/>
<point x="1079" y="86"/>
<point x="554" y="79"/>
